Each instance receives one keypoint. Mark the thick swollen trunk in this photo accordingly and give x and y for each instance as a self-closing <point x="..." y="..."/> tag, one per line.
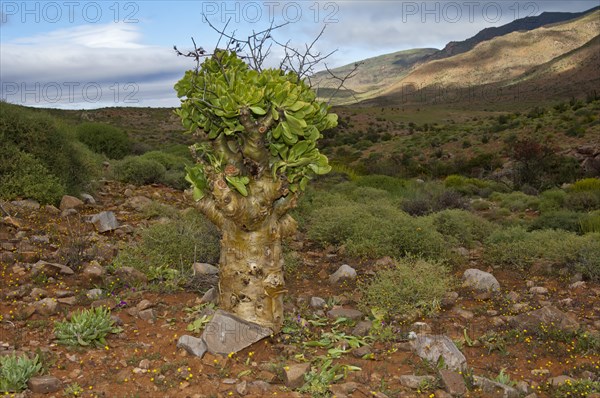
<point x="251" y="280"/>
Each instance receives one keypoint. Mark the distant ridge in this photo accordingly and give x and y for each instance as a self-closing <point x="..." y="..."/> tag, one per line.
<point x="518" y="25"/>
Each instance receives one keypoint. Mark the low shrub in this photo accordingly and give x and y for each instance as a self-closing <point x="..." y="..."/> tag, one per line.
<point x="427" y="198"/>
<point x="24" y="176"/>
<point x="15" y="372"/>
<point x="552" y="199"/>
<point x="412" y="287"/>
<point x="583" y="200"/>
<point x="86" y="328"/>
<point x="562" y="219"/>
<point x="516" y="201"/>
<point x="109" y="141"/>
<point x="464" y="227"/>
<point x="517" y="248"/>
<point x="590" y="222"/>
<point x="166" y="251"/>
<point x="373" y="231"/>
<point x="51" y="143"/>
<point x="586" y="185"/>
<point x="138" y="171"/>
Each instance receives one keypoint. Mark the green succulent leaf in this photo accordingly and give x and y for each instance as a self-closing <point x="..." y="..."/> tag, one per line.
<point x="257" y="110"/>
<point x="239" y="183"/>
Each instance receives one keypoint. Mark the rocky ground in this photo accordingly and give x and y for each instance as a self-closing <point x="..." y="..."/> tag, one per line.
<point x="500" y="333"/>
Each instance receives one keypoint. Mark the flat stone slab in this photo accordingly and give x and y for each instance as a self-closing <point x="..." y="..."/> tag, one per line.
<point x="226" y="333"/>
<point x="432" y="347"/>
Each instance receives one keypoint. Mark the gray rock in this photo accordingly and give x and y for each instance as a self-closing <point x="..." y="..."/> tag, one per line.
<point x="144" y="305"/>
<point x="242" y="388"/>
<point x="453" y="382"/>
<point x="94" y="294"/>
<point x="559" y="380"/>
<point x="105" y="221"/>
<point x="147" y="315"/>
<point x="449" y="300"/>
<point x="50" y="269"/>
<point x="432" y="347"/>
<point x="577" y="285"/>
<point x="493" y="387"/>
<point x="414" y="382"/>
<point x="546" y="315"/>
<point x="317" y="302"/>
<point x="72" y="300"/>
<point x="293" y="375"/>
<point x="38" y="293"/>
<point x="26" y="204"/>
<point x="362" y="328"/>
<point x="193" y="345"/>
<point x="343" y="274"/>
<point x="131" y="275"/>
<point x="227" y="333"/>
<point x="480" y="280"/>
<point x="513" y="296"/>
<point x="70" y="202"/>
<point x="93" y="272"/>
<point x="204" y="269"/>
<point x="538" y="290"/>
<point x="47" y="307"/>
<point x="420" y="328"/>
<point x="137" y="202"/>
<point x="40" y="239"/>
<point x="343" y="389"/>
<point x="362" y="351"/>
<point x="349" y="313"/>
<point x="88" y="199"/>
<point x="210" y="296"/>
<point x="44" y="384"/>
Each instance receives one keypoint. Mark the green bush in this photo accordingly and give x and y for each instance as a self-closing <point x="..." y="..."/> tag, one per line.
<point x="166" y="251"/>
<point x="590" y="222"/>
<point x="464" y="227"/>
<point x="583" y="200"/>
<point x="50" y="142"/>
<point x="22" y="175"/>
<point x="562" y="219"/>
<point x="375" y="230"/>
<point x="15" y="372"/>
<point x="104" y="139"/>
<point x="86" y="328"/>
<point x="586" y="185"/>
<point x="517" y="248"/>
<point x="472" y="186"/>
<point x="412" y="287"/>
<point x="139" y="171"/>
<point x="516" y="201"/>
<point x="552" y="199"/>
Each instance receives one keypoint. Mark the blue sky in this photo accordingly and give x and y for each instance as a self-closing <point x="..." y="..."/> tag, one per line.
<point x="90" y="54"/>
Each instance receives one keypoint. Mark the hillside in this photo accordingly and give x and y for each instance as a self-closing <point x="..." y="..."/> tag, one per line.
<point x="520" y="25"/>
<point x="373" y="75"/>
<point x="576" y="71"/>
<point x="503" y="58"/>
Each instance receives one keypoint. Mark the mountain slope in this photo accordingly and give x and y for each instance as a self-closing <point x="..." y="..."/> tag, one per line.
<point x="502" y="58"/>
<point x="519" y="25"/>
<point x="373" y="75"/>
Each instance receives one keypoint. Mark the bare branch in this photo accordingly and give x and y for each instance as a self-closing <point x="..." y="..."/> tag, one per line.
<point x="342" y="80"/>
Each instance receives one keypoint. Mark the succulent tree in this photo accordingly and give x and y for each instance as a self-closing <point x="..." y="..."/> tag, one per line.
<point x="258" y="150"/>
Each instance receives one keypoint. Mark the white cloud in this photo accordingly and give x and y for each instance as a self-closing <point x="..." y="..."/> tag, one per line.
<point x="61" y="65"/>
